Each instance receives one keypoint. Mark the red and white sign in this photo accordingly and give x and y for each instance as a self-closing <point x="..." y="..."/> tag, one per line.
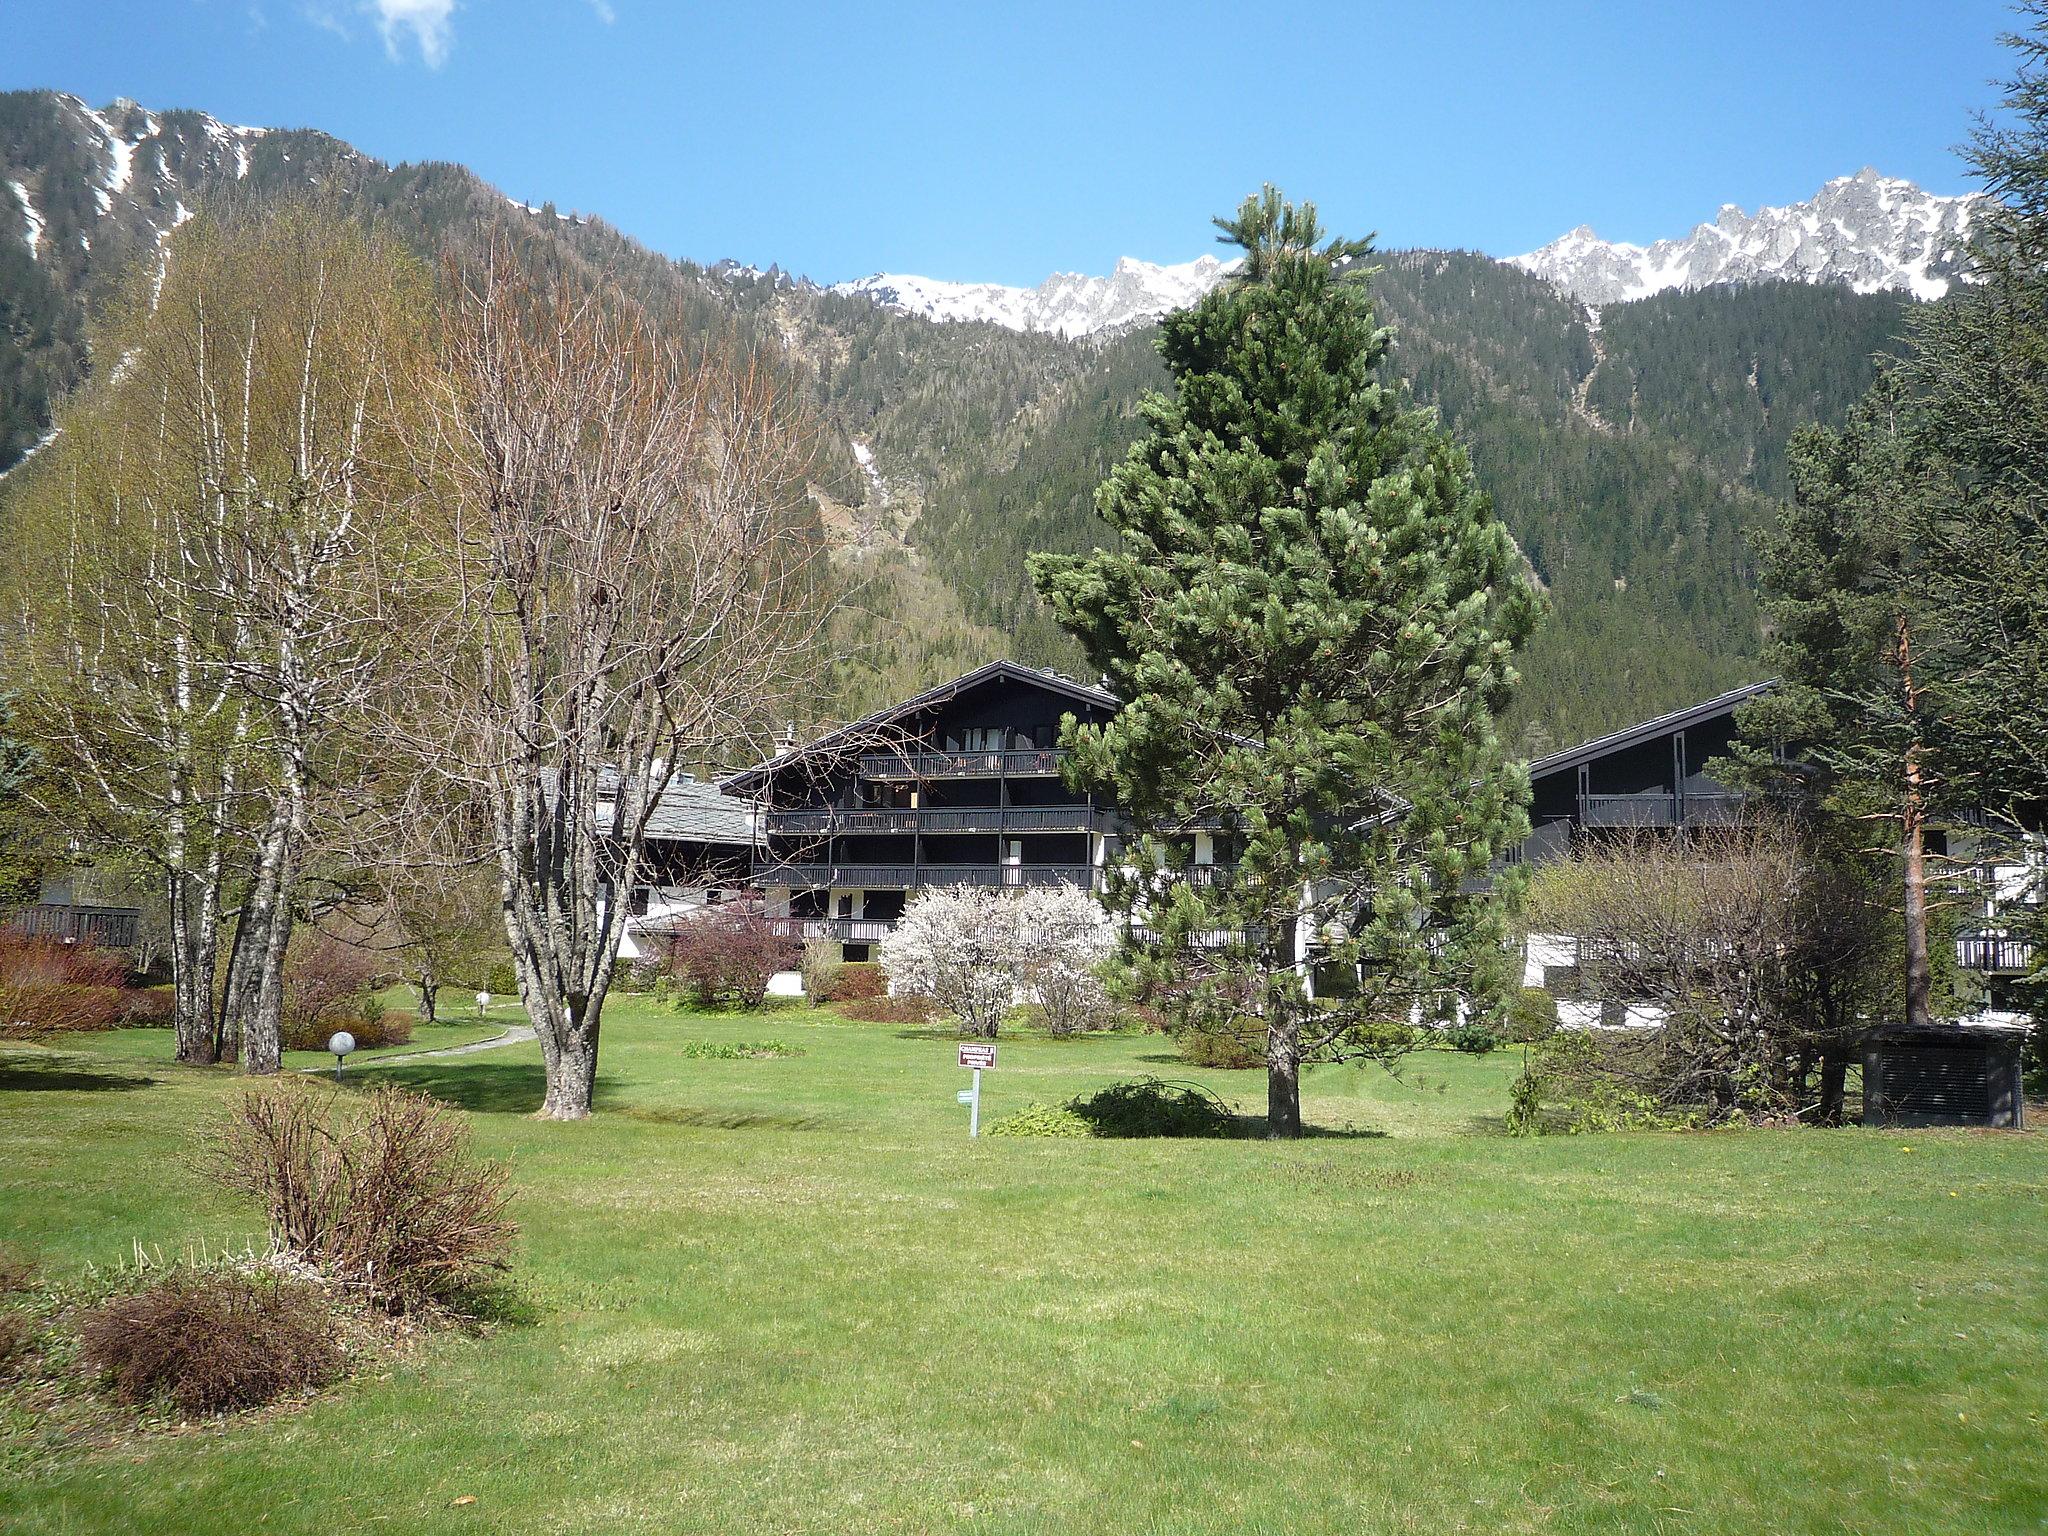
<point x="977" y="1056"/>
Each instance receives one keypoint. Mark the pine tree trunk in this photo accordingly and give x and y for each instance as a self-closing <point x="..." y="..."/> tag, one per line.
<point x="1283" y="1075"/>
<point x="1919" y="965"/>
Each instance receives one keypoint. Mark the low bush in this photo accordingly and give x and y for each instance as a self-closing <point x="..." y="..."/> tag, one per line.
<point x="1471" y="1037"/>
<point x="17" y="1274"/>
<point x="17" y="1329"/>
<point x="47" y="986"/>
<point x="1150" y="1107"/>
<point x="889" y="1010"/>
<point x="148" y="1008"/>
<point x="1531" y="1016"/>
<point x="859" y="981"/>
<point x="1050" y="1121"/>
<point x="730" y="953"/>
<point x="1575" y="1083"/>
<point x="821" y="967"/>
<point x="737" y="1050"/>
<point x="1231" y="1047"/>
<point x="372" y="1032"/>
<point x="328" y="985"/>
<point x="501" y="979"/>
<point x="380" y="1192"/>
<point x="214" y="1341"/>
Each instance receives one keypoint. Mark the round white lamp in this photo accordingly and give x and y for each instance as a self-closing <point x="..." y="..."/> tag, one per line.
<point x="341" y="1042"/>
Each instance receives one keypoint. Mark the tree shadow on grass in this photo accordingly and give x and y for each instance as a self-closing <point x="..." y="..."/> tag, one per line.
<point x="484" y="1087"/>
<point x="727" y="1120"/>
<point x="27" y="1075"/>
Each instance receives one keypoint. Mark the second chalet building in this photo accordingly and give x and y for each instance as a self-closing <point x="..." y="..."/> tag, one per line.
<point x="958" y="786"/>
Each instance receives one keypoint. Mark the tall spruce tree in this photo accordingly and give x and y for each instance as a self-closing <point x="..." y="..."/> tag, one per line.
<point x="1849" y="639"/>
<point x="1907" y="584"/>
<point x="1311" y="616"/>
<point x="1978" y="369"/>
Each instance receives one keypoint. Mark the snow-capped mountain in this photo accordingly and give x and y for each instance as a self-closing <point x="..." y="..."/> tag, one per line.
<point x="1067" y="303"/>
<point x="1866" y="230"/>
<point x="141" y="169"/>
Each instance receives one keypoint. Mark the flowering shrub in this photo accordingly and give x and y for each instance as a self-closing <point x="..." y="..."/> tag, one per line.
<point x="730" y="953"/>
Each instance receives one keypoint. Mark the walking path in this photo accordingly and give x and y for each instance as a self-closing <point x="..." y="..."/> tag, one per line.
<point x="518" y="1034"/>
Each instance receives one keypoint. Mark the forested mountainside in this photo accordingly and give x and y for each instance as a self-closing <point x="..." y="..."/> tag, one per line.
<point x="1629" y="447"/>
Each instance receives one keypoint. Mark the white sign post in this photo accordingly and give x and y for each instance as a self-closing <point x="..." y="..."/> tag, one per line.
<point x="977" y="1057"/>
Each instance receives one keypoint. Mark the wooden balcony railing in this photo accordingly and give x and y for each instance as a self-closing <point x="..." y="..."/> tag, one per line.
<point x="1988" y="950"/>
<point x="1037" y="762"/>
<point x="991" y="818"/>
<point x="909" y="876"/>
<point x="106" y="927"/>
<point x="1657" y="810"/>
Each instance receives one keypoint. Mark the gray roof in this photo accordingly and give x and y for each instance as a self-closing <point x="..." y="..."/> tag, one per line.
<point x="697" y="812"/>
<point x="690" y="810"/>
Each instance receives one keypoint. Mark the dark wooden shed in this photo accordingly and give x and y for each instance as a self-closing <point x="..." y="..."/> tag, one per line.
<point x="1949" y="1074"/>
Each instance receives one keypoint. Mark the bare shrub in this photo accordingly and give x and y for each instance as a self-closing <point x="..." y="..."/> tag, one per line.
<point x="214" y="1342"/>
<point x="860" y="980"/>
<point x="325" y="984"/>
<point x="1753" y="956"/>
<point x="904" y="1009"/>
<point x="381" y="1193"/>
<point x="16" y="1331"/>
<point x="373" y="1029"/>
<point x="729" y="955"/>
<point x="822" y="966"/>
<point x="47" y="986"/>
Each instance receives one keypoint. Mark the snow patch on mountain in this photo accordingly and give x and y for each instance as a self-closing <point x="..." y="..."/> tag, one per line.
<point x="1067" y="303"/>
<point x="1872" y="232"/>
<point x="34" y="233"/>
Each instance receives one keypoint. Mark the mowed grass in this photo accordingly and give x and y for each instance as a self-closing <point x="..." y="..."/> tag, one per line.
<point x="789" y="1295"/>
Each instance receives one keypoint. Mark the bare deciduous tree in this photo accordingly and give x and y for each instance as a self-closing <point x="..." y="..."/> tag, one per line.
<point x="625" y="542"/>
<point x="200" y="604"/>
<point x="1760" y="958"/>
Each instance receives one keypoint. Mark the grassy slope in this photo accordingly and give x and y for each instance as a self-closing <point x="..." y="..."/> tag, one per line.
<point x="788" y="1295"/>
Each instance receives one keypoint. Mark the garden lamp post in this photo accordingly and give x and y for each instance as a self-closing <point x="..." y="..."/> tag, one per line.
<point x="341" y="1042"/>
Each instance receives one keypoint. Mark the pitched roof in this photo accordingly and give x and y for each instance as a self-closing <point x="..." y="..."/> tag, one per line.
<point x="1649" y="730"/>
<point x="1011" y="671"/>
<point x="691" y="811"/>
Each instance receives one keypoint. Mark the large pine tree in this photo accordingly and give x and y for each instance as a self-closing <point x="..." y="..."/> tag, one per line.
<point x="1311" y="615"/>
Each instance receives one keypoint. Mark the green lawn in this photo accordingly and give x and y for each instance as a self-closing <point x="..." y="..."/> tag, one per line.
<point x="789" y="1295"/>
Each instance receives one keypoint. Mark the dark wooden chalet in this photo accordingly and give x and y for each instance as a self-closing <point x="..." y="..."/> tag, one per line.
<point x="958" y="786"/>
<point x="1649" y="775"/>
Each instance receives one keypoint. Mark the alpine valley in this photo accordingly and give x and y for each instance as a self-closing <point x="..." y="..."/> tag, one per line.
<point x="1628" y="407"/>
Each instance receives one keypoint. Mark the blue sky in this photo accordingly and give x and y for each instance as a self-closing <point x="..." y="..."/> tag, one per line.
<point x="1000" y="142"/>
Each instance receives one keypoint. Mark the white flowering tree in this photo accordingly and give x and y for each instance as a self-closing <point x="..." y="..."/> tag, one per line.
<point x="1064" y="937"/>
<point x="958" y="947"/>
<point x="976" y="952"/>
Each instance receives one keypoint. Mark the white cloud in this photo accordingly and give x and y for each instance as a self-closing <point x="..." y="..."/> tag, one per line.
<point x="605" y="13"/>
<point x="427" y="20"/>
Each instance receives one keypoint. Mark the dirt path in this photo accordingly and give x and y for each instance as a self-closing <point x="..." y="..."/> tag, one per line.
<point x="518" y="1034"/>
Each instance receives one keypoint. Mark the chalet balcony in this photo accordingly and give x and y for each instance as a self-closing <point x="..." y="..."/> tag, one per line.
<point x="993" y="818"/>
<point x="845" y="930"/>
<point x="884" y="877"/>
<point x="1034" y="763"/>
<point x="1991" y="950"/>
<point x="1657" y="810"/>
<point x="104" y="927"/>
